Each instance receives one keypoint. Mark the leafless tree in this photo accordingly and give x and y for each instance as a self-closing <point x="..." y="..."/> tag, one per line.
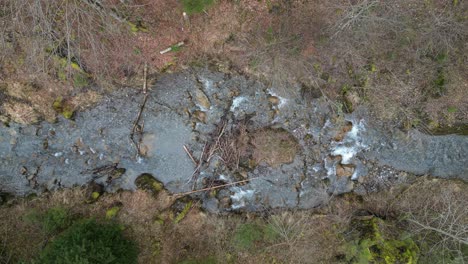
<point x="441" y="223"/>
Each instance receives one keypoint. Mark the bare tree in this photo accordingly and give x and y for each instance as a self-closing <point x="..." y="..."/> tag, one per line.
<point x="441" y="223"/>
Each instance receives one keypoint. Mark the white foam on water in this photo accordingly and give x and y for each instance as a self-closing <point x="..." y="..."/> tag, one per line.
<point x="207" y="83"/>
<point x="351" y="144"/>
<point x="283" y="101"/>
<point x="240" y="197"/>
<point x="222" y="177"/>
<point x="237" y="102"/>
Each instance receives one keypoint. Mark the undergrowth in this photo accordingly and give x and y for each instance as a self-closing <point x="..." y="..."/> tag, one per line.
<point x="88" y="241"/>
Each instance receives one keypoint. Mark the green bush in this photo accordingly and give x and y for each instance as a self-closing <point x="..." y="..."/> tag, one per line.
<point x="196" y="6"/>
<point x="88" y="241"/>
<point x="53" y="221"/>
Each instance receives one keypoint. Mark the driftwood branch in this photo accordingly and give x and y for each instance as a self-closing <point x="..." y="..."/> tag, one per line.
<point x="137" y="128"/>
<point x="213" y="188"/>
<point x="190" y="155"/>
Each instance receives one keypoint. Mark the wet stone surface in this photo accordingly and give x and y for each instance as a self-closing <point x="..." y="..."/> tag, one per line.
<point x="204" y="129"/>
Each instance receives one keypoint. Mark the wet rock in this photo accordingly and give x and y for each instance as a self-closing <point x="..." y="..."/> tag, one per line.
<point x="274" y="100"/>
<point x="147" y="182"/>
<point x="200" y="116"/>
<point x="202" y="100"/>
<point x="115" y="174"/>
<point x="344" y="170"/>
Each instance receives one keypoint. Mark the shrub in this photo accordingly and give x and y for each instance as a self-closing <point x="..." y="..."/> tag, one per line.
<point x="88" y="241"/>
<point x="53" y="221"/>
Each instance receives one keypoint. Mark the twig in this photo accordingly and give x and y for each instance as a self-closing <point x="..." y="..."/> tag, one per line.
<point x="459" y="239"/>
<point x="180" y="44"/>
<point x="216" y="145"/>
<point x="145" y="71"/>
<point x="213" y="188"/>
<point x="96" y="4"/>
<point x="190" y="155"/>
<point x="136" y="126"/>
<point x="197" y="169"/>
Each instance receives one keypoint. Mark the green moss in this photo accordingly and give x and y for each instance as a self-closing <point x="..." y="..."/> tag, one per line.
<point x="358" y="251"/>
<point x="372" y="245"/>
<point x="112" y="212"/>
<point x="438" y="85"/>
<point x="270" y="233"/>
<point x="459" y="129"/>
<point x="68" y="113"/>
<point x="61" y="107"/>
<point x="397" y="251"/>
<point x="452" y="109"/>
<point x="175" y="48"/>
<point x="270" y="36"/>
<point x="61" y="74"/>
<point x="73" y="64"/>
<point x="147" y="182"/>
<point x="137" y="27"/>
<point x="80" y="80"/>
<point x="371" y="67"/>
<point x="117" y="173"/>
<point x="183" y="213"/>
<point x="441" y="57"/>
<point x="95" y="195"/>
<point x="249" y="234"/>
<point x="196" y="6"/>
<point x="159" y="220"/>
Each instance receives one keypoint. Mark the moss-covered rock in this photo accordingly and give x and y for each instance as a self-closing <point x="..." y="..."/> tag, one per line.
<point x="93" y="192"/>
<point x="63" y="107"/>
<point x="371" y="244"/>
<point x="147" y="182"/>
